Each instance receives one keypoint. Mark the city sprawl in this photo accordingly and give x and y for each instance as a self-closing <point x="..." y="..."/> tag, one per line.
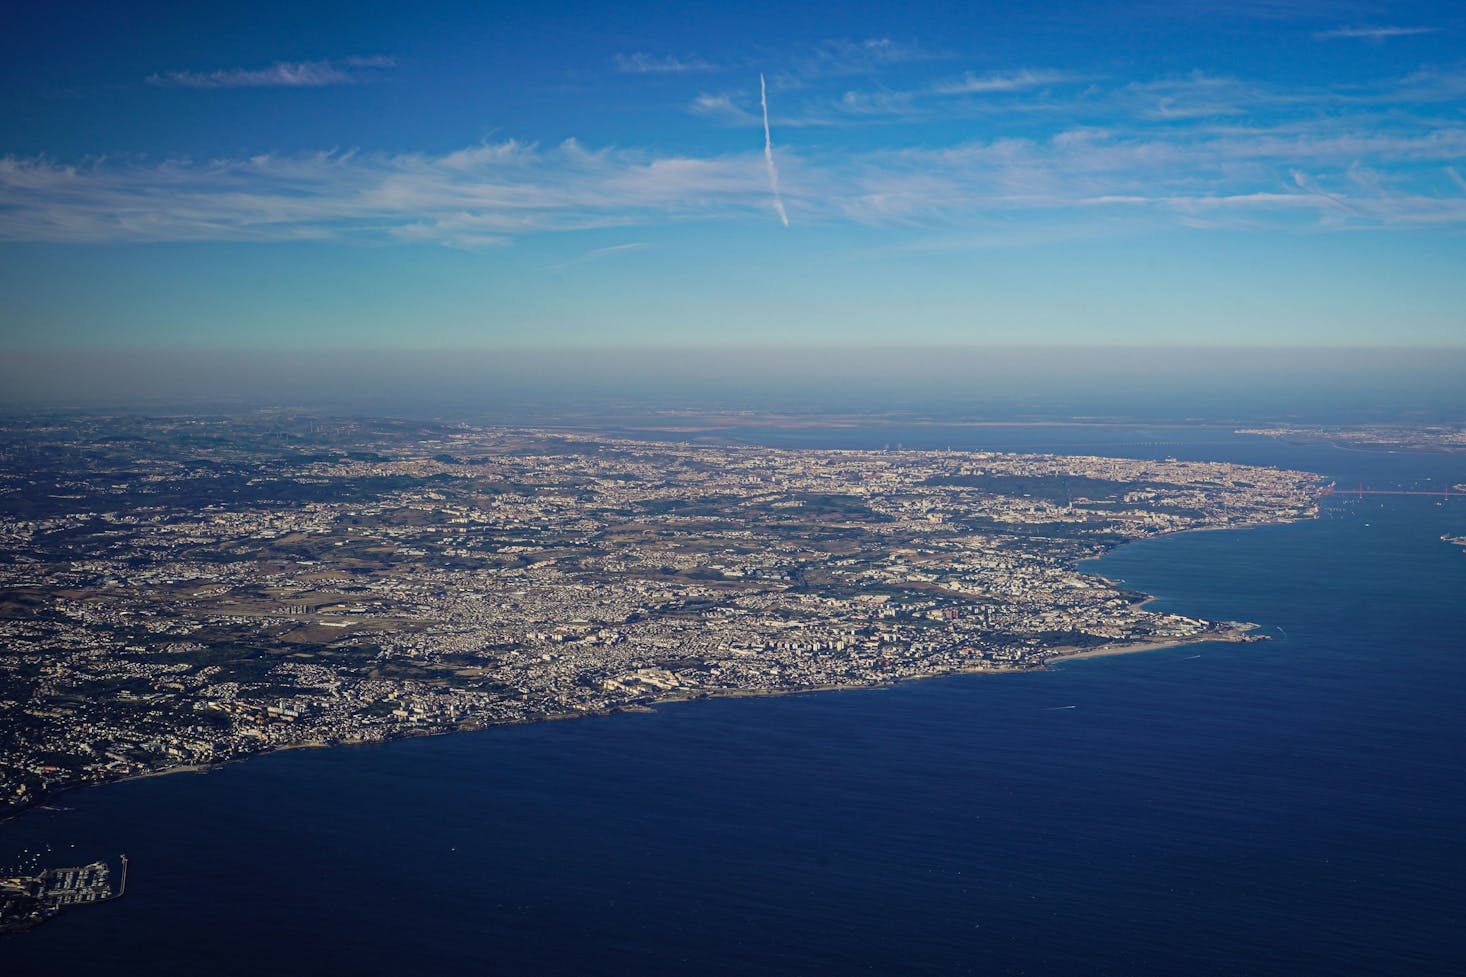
<point x="185" y="591"/>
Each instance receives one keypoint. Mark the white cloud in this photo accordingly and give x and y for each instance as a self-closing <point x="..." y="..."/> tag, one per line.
<point x="617" y="249"/>
<point x="1066" y="97"/>
<point x="723" y="108"/>
<point x="1372" y="33"/>
<point x="641" y="63"/>
<point x="1277" y="10"/>
<point x="469" y="197"/>
<point x="971" y="84"/>
<point x="281" y="74"/>
<point x="842" y="56"/>
<point x="886" y="105"/>
<point x="1194" y="151"/>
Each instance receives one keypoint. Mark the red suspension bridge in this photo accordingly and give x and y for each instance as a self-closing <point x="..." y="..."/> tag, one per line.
<point x="1361" y="491"/>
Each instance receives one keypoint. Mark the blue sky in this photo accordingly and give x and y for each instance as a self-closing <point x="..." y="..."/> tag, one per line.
<point x="448" y="175"/>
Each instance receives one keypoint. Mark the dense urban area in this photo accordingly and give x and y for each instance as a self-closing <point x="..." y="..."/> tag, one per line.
<point x="187" y="591"/>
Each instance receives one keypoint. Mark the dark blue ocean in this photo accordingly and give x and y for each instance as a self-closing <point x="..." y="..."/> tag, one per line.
<point x="1296" y="806"/>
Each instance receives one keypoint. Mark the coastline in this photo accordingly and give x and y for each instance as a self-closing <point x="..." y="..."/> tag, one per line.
<point x="1041" y="661"/>
<point x="649" y="706"/>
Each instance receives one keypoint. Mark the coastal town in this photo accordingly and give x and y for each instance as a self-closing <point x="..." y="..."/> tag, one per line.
<point x="181" y="592"/>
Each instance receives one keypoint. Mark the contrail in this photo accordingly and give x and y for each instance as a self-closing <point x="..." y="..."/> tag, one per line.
<point x="763" y="99"/>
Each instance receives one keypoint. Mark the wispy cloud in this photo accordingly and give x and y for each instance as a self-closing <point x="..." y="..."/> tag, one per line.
<point x="598" y="254"/>
<point x="845" y="57"/>
<point x="1193" y="96"/>
<point x="722" y="108"/>
<point x="1022" y="96"/>
<point x="1276" y="10"/>
<point x="889" y="104"/>
<point x="281" y="74"/>
<point x="617" y="249"/>
<point x="1372" y="33"/>
<point x="831" y="58"/>
<point x="1197" y="151"/>
<point x="641" y="63"/>
<point x="475" y="197"/>
<point x="971" y="84"/>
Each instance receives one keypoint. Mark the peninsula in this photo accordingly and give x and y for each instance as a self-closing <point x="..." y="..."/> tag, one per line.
<point x="185" y="591"/>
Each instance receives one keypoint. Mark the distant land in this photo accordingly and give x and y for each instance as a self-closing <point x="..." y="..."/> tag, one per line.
<point x="179" y="592"/>
<point x="1241" y="386"/>
<point x="1373" y="437"/>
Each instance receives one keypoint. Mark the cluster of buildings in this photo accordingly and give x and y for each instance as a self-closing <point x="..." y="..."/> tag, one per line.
<point x="187" y="592"/>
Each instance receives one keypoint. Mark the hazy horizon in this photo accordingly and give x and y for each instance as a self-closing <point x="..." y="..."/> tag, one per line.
<point x="969" y="382"/>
